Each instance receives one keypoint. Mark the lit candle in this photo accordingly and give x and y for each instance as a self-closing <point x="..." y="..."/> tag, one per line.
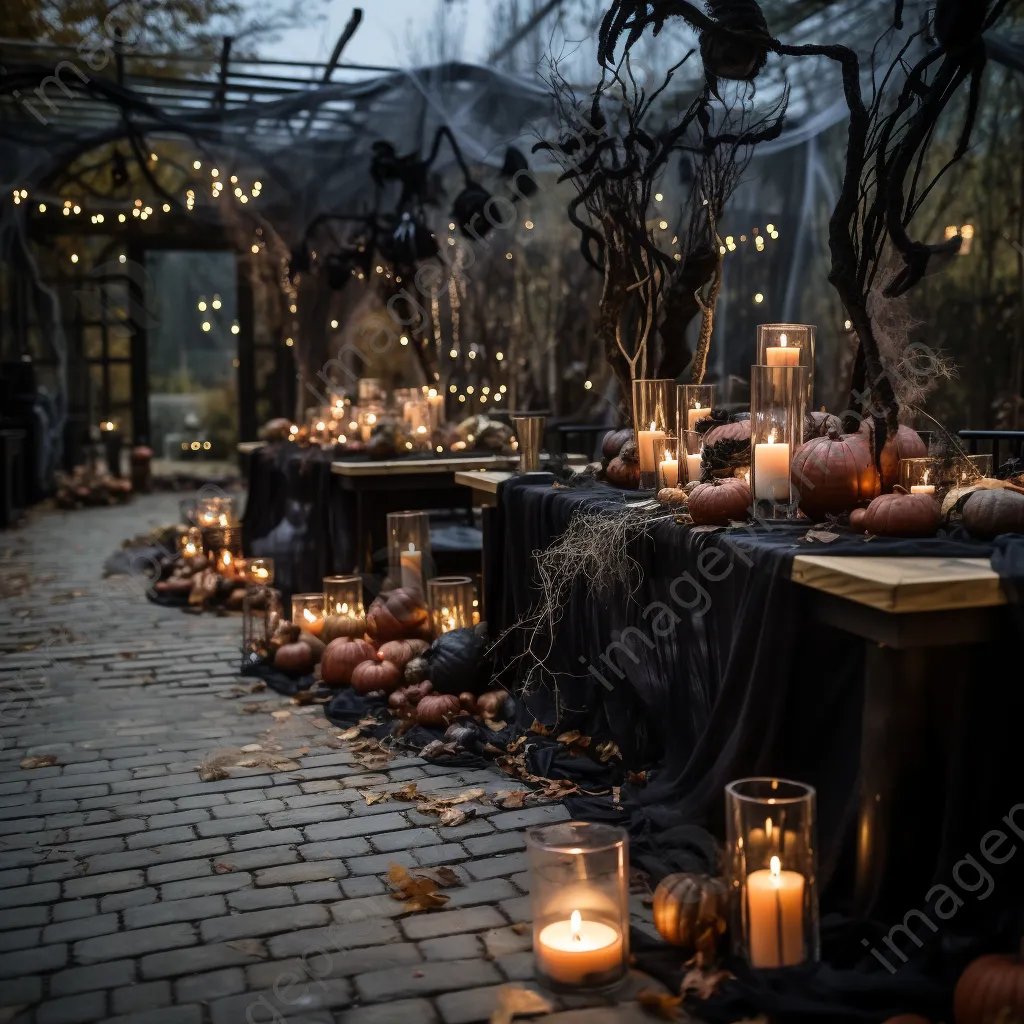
<point x="782" y="354"/>
<point x="311" y="622"/>
<point x="570" y="951"/>
<point x="225" y="561"/>
<point x="923" y="487"/>
<point x="670" y="470"/>
<point x="645" y="444"/>
<point x="695" y="415"/>
<point x="693" y="467"/>
<point x="771" y="470"/>
<point x="412" y="567"/>
<point x="436" y="405"/>
<point x="775" y="909"/>
<point x="189" y="550"/>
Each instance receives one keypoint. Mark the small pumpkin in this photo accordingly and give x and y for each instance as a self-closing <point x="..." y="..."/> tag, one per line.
<point x="417" y="670"/>
<point x="821" y="424"/>
<point x="438" y="709"/>
<point x="623" y="474"/>
<point x="833" y="474"/>
<point x="286" y="633"/>
<point x="467" y="701"/>
<point x="415" y="693"/>
<point x="857" y="519"/>
<point x="720" y="501"/>
<point x="736" y="431"/>
<point x="336" y="626"/>
<point x="397" y="615"/>
<point x="614" y="440"/>
<point x="340" y="659"/>
<point x="907" y="444"/>
<point x="991" y="990"/>
<point x="459" y="661"/>
<point x="315" y="644"/>
<point x="401" y="652"/>
<point x="691" y="911"/>
<point x="989" y="513"/>
<point x="371" y="676"/>
<point x="902" y="515"/>
<point x="495" y="704"/>
<point x="294" y="659"/>
<point x="398" y="701"/>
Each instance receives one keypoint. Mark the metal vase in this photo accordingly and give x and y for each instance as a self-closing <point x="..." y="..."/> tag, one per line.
<point x="530" y="434"/>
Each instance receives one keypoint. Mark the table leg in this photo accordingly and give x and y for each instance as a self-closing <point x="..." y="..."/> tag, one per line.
<point x="911" y="701"/>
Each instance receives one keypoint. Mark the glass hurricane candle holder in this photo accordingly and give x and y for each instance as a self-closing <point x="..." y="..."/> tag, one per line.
<point x="343" y="607"/>
<point x="787" y="345"/>
<point x="579" y="895"/>
<point x="530" y="435"/>
<point x="190" y="542"/>
<point x="367" y="421"/>
<point x="771" y="843"/>
<point x="778" y="398"/>
<point x="694" y="403"/>
<point x="308" y="612"/>
<point x="257" y="572"/>
<point x="653" y="419"/>
<point x="667" y="463"/>
<point x="261" y="615"/>
<point x="220" y="539"/>
<point x="409" y="554"/>
<point x="691" y="455"/>
<point x="370" y="391"/>
<point x="919" y="476"/>
<point x="451" y="600"/>
<point x="214" y="511"/>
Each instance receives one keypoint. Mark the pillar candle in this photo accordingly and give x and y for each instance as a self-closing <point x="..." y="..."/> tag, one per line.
<point x="569" y="951"/>
<point x="645" y="444"/>
<point x="775" y="914"/>
<point x="782" y="354"/>
<point x="670" y="470"/>
<point x="412" y="567"/>
<point x="695" y="415"/>
<point x="693" y="467"/>
<point x="771" y="471"/>
<point x="923" y="487"/>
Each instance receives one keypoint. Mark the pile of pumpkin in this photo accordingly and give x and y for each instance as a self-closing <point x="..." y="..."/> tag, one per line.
<point x="432" y="684"/>
<point x="202" y="583"/>
<point x="691" y="912"/>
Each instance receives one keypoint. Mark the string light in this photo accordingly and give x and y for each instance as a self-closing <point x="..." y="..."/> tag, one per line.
<point x="503" y="389"/>
<point x="196" y="165"/>
<point x="508" y="255"/>
<point x="334" y="324"/>
<point x="453" y="388"/>
<point x="588" y="384"/>
<point x="529" y="225"/>
<point x="206" y="325"/>
<point x="42" y="207"/>
<point x="74" y="257"/>
<point x="202" y="306"/>
<point x="289" y="342"/>
<point x="499" y="356"/>
<point x="235" y="328"/>
<point x="403" y="340"/>
<point x="120" y="217"/>
<point x="848" y="324"/>
<point x="658" y="197"/>
<point x="663" y="225"/>
<point x="454" y="353"/>
<point x="759" y="298"/>
<point x="122" y="258"/>
<point x="216" y="302"/>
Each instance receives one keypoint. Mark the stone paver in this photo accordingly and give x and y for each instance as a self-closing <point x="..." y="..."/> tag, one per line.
<point x="135" y="892"/>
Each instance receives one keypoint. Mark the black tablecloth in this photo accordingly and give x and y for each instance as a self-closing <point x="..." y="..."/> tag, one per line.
<point x="747" y="683"/>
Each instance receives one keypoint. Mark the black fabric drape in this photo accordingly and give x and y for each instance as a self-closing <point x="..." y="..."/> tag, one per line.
<point x="747" y="683"/>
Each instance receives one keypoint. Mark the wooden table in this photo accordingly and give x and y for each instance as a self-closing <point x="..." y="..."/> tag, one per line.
<point x="484" y="485"/>
<point x="399" y="484"/>
<point x="920" y="620"/>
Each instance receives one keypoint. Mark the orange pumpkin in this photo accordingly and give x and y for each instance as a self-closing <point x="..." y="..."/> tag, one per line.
<point x="340" y="659"/>
<point x="991" y="990"/>
<point x="720" y="501"/>
<point x="397" y="615"/>
<point x="370" y="676"/>
<point x="401" y="652"/>
<point x="437" y="709"/>
<point x="833" y="474"/>
<point x="738" y="431"/>
<point x="294" y="659"/>
<point x="907" y="444"/>
<point x="902" y="515"/>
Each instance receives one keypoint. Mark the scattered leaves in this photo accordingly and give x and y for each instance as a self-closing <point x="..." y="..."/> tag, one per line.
<point x="659" y="1004"/>
<point x="637" y="778"/>
<point x="350" y="734"/>
<point x="701" y="983"/>
<point x="221" y="868"/>
<point x="211" y="773"/>
<point x="607" y="751"/>
<point x="372" y="798"/>
<point x="541" y="730"/>
<point x="822" y="536"/>
<point x="416" y="894"/>
<point x="570" y="737"/>
<point x="282" y="715"/>
<point x="453" y="816"/>
<point x="511" y="799"/>
<point x="513" y="1000"/>
<point x="42" y="761"/>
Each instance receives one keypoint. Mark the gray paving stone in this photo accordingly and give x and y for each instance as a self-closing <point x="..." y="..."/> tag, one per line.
<point x="264" y="838"/>
<point x="210" y="885"/>
<point x="167" y="1015"/>
<point x="202" y="988"/>
<point x="412" y="1011"/>
<point x="181" y="962"/>
<point x="427" y="979"/>
<point x="503" y="941"/>
<point x="500" y="842"/>
<point x="82" y="928"/>
<point x="24" y="895"/>
<point x="137" y="942"/>
<point x="117" y="901"/>
<point x="364" y="885"/>
<point x="293" y="874"/>
<point x="261" y="899"/>
<point x="333" y="850"/>
<point x="516" y="966"/>
<point x="292" y="1000"/>
<point x="149" y="995"/>
<point x="168" y="912"/>
<point x="492" y="890"/>
<point x="352" y="827"/>
<point x="406" y="839"/>
<point x="497" y="867"/>
<point x="24" y="917"/>
<point x="317" y="892"/>
<point x="262" y="922"/>
<point x="22" y="991"/>
<point x="452" y="947"/>
<point x="97" y="884"/>
<point x="249" y="860"/>
<point x="177" y="870"/>
<point x="73" y="1009"/>
<point x="451" y="922"/>
<point x="345" y="937"/>
<point x="23" y="938"/>
<point x="32" y="961"/>
<point x="71" y="910"/>
<point x="89" y="979"/>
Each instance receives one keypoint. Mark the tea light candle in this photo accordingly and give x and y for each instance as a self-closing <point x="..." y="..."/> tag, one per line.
<point x="923" y="487"/>
<point x="669" y="470"/>
<point x="645" y="444"/>
<point x="569" y="951"/>
<point x="782" y="354"/>
<point x="775" y="909"/>
<point x="225" y="561"/>
<point x="695" y="415"/>
<point x="771" y="470"/>
<point x="311" y="622"/>
<point x="693" y="467"/>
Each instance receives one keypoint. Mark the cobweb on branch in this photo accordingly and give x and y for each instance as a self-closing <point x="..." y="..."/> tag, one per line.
<point x="595" y="547"/>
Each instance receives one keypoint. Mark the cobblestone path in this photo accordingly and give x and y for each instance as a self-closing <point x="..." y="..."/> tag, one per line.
<point x="133" y="891"/>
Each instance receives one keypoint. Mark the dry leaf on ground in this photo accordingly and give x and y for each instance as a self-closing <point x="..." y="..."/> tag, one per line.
<point x="221" y="868"/>
<point x="42" y="761"/>
<point x="702" y="984"/>
<point x="511" y="799"/>
<point x="212" y="773"/>
<point x="513" y="1000"/>
<point x="416" y="894"/>
<point x="660" y="1004"/>
<point x="541" y="730"/>
<point x="453" y="816"/>
<point x="570" y="737"/>
<point x="372" y="798"/>
<point x="822" y="536"/>
<point x="350" y="734"/>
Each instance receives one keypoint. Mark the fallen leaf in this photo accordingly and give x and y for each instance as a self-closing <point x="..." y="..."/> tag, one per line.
<point x="221" y="868"/>
<point x="409" y="792"/>
<point x="42" y="761"/>
<point x="541" y="730"/>
<point x="513" y="747"/>
<point x="822" y="536"/>
<point x="569" y="737"/>
<point x="128" y="655"/>
<point x="660" y="1004"/>
<point x="702" y="983"/>
<point x="373" y="798"/>
<point x="511" y="799"/>
<point x="464" y="798"/>
<point x="637" y="778"/>
<point x="453" y="816"/>
<point x="302" y="751"/>
<point x="251" y="947"/>
<point x="435" y="748"/>
<point x="513" y="1000"/>
<point x="321" y="723"/>
<point x="282" y="715"/>
<point x="258" y="686"/>
<point x="520" y="928"/>
<point x="444" y="876"/>
<point x="606" y="751"/>
<point x="211" y="773"/>
<point x="350" y="734"/>
<point x="370" y="722"/>
<point x="425" y="901"/>
<point x="285" y="764"/>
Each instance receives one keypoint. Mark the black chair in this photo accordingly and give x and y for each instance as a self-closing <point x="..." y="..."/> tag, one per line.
<point x="1003" y="445"/>
<point x="587" y="436"/>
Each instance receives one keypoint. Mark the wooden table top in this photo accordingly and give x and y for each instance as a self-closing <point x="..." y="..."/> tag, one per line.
<point x="400" y="467"/>
<point x="903" y="584"/>
<point x="248" y="447"/>
<point x="483" y="480"/>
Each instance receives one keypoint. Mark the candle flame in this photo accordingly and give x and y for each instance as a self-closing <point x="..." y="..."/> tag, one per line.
<point x="412" y="548"/>
<point x="652" y="425"/>
<point x="226" y="558"/>
<point x="223" y="520"/>
<point x="776" y="869"/>
<point x="308" y="615"/>
<point x="746" y="476"/>
<point x="696" y="403"/>
<point x="321" y="425"/>
<point x="783" y="340"/>
<point x="343" y="608"/>
<point x="925" y="480"/>
<point x="668" y="456"/>
<point x="190" y="549"/>
<point x="771" y="437"/>
<point x="260" y="573"/>
<point x="371" y="418"/>
<point x="575" y="923"/>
